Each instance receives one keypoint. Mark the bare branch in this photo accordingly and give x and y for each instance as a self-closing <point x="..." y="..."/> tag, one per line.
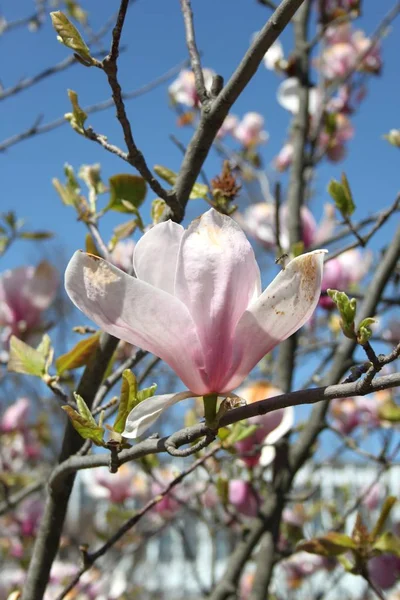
<point x="37" y="129"/>
<point x="193" y="51"/>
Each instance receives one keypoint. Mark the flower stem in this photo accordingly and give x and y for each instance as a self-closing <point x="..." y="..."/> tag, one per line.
<point x="210" y="410"/>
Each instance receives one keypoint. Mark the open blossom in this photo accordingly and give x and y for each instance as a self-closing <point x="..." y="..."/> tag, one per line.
<point x="183" y="89"/>
<point x="259" y="221"/>
<point x="288" y="96"/>
<point x="197" y="304"/>
<point x="274" y="56"/>
<point x="25" y="293"/>
<point x="258" y="447"/>
<point x="344" y="50"/>
<point x="340" y="273"/>
<point x="250" y="131"/>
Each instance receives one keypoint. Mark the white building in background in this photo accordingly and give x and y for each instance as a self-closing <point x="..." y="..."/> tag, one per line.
<point x="184" y="561"/>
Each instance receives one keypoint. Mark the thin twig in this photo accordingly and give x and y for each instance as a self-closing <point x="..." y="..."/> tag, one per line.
<point x="90" y="558"/>
<point x="193" y="51"/>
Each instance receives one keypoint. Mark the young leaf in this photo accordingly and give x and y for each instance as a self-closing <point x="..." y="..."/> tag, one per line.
<point x="84" y="410"/>
<point x="146" y="393"/>
<point x="385" y="512"/>
<point x="127" y="192"/>
<point x="70" y="37"/>
<point x="199" y="190"/>
<point x="389" y="411"/>
<point x="36" y="235"/>
<point x="78" y="116"/>
<point x="86" y="429"/>
<point x="388" y="543"/>
<point x="127" y="401"/>
<point x="27" y="360"/>
<point x="79" y="355"/>
<point x="331" y="544"/>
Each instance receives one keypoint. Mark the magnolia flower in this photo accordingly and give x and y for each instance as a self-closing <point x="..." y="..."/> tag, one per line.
<point x="25" y="293"/>
<point x="196" y="303"/>
<point x="243" y="497"/>
<point x="183" y="89"/>
<point x="122" y="255"/>
<point x="259" y="221"/>
<point x="250" y="130"/>
<point x="346" y="270"/>
<point x="288" y="96"/>
<point x="258" y="447"/>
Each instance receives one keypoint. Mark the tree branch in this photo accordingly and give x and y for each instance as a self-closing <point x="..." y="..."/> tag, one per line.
<point x="193" y="51"/>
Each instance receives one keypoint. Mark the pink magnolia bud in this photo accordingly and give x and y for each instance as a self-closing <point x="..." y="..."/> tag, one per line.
<point x="243" y="497"/>
<point x="15" y="416"/>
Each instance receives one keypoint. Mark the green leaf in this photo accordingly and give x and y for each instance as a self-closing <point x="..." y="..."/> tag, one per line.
<point x="27" y="360"/>
<point x="84" y="410"/>
<point x="70" y="37"/>
<point x="124" y="230"/>
<point x="146" y="393"/>
<point x="331" y="544"/>
<point x="364" y="331"/>
<point x="127" y="193"/>
<point x="128" y="400"/>
<point x="347" y="308"/>
<point x="385" y="512"/>
<point x="342" y="196"/>
<point x="76" y="12"/>
<point x="36" y="235"/>
<point x="78" y="116"/>
<point x="79" y="355"/>
<point x="388" y="543"/>
<point x="199" y="190"/>
<point x="158" y="207"/>
<point x="240" y="431"/>
<point x="389" y="411"/>
<point x="70" y="192"/>
<point x="84" y="427"/>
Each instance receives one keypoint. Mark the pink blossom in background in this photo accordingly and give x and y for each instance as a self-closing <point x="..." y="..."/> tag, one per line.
<point x="15" y="416"/>
<point x="242" y="497"/>
<point x="302" y="565"/>
<point x="250" y="130"/>
<point x="373" y="496"/>
<point x="28" y="515"/>
<point x="288" y="96"/>
<point x="344" y="50"/>
<point x="25" y="293"/>
<point x="333" y="143"/>
<point x="384" y="570"/>
<point x="284" y="158"/>
<point x="258" y="220"/>
<point x="122" y="255"/>
<point x="171" y="502"/>
<point x="258" y="447"/>
<point x="349" y="413"/>
<point x="183" y="89"/>
<point x="197" y="304"/>
<point x="343" y="272"/>
<point x="117" y="487"/>
<point x="228" y="126"/>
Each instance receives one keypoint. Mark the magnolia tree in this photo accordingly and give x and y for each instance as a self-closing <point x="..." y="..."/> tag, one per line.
<point x="100" y="475"/>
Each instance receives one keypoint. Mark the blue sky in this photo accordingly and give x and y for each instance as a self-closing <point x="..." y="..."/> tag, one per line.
<point x="155" y="42"/>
